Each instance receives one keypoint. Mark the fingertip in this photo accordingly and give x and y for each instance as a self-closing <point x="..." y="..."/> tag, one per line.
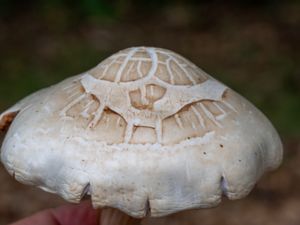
<point x="77" y="214"/>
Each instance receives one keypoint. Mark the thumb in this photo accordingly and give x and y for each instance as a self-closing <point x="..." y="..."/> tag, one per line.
<point x="81" y="214"/>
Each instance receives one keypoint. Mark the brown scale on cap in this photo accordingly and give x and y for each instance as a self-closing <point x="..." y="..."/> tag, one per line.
<point x="7" y="120"/>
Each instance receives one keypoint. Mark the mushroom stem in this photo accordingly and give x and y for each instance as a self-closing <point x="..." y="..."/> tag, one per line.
<point x="111" y="216"/>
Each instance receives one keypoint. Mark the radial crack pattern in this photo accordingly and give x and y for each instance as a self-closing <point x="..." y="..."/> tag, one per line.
<point x="147" y="86"/>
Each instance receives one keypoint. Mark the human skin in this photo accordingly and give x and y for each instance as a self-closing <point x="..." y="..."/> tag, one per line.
<point x="82" y="214"/>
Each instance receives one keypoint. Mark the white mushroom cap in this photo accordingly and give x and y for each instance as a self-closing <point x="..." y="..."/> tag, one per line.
<point x="145" y="131"/>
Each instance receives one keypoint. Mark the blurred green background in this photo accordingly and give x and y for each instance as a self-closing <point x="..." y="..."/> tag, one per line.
<point x="252" y="46"/>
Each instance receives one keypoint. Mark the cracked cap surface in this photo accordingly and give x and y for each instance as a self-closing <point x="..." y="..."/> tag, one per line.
<point x="145" y="131"/>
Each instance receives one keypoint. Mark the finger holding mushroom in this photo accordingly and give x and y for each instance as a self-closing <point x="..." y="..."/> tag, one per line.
<point x="145" y="132"/>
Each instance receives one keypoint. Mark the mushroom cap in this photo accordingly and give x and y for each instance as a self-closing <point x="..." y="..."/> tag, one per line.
<point x="145" y="131"/>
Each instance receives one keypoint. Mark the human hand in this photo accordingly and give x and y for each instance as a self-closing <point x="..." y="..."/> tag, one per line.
<point x="81" y="214"/>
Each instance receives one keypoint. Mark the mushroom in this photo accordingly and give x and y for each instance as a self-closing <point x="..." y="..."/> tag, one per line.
<point x="144" y="133"/>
